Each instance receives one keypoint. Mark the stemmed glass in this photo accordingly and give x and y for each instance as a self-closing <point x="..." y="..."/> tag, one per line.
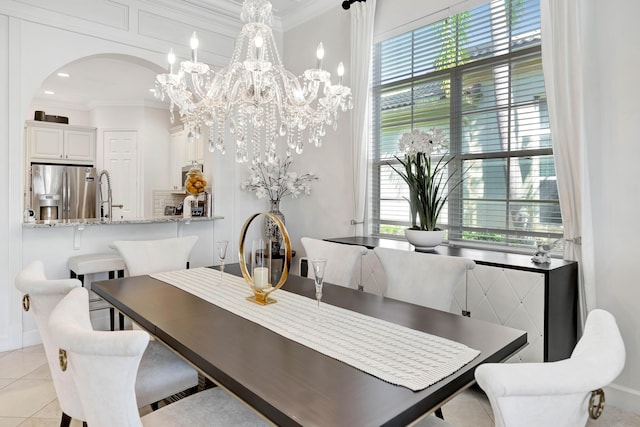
<point x="222" y="253"/>
<point x="318" y="265"/>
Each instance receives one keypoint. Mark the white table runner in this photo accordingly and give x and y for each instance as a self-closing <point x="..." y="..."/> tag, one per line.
<point x="391" y="352"/>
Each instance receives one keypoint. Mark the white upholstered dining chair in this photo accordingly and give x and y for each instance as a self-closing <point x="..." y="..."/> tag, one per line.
<point x="556" y="393"/>
<point x="161" y="374"/>
<point x="342" y="260"/>
<point x="423" y="278"/>
<point x="103" y="367"/>
<point x="155" y="256"/>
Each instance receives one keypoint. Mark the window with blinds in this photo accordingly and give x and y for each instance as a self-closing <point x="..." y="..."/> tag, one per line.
<point x="478" y="76"/>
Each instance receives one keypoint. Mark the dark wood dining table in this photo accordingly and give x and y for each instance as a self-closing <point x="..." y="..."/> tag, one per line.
<point x="291" y="384"/>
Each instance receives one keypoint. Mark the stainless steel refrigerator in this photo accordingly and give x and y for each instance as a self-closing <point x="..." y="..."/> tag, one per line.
<point x="63" y="192"/>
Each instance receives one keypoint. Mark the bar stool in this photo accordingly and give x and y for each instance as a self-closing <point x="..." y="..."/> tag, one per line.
<point x="110" y="262"/>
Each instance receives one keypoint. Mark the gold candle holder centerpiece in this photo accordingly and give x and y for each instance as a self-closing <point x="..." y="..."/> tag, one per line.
<point x="256" y="279"/>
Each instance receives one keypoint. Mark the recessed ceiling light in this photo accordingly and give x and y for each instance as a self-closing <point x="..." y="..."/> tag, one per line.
<point x="49" y="92"/>
<point x="152" y="90"/>
<point x="64" y="74"/>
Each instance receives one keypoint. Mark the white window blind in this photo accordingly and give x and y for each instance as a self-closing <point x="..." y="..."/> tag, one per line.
<point x="478" y="76"/>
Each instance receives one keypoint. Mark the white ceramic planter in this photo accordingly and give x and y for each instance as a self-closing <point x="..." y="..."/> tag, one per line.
<point x="424" y="240"/>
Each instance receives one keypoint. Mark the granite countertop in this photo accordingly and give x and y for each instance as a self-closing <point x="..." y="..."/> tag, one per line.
<point x="99" y="222"/>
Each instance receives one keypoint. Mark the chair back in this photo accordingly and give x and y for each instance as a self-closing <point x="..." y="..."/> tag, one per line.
<point x="422" y="278"/>
<point x="155" y="256"/>
<point x="43" y="296"/>
<point x="556" y="393"/>
<point x="341" y="259"/>
<point x="103" y="364"/>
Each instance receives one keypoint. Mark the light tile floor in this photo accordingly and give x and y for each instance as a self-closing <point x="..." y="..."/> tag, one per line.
<point x="27" y="398"/>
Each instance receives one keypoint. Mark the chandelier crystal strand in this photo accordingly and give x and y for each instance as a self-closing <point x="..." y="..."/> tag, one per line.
<point x="255" y="98"/>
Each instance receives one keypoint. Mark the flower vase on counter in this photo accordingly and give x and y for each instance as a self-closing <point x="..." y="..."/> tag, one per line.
<point x="271" y="231"/>
<point x="197" y="198"/>
<point x="274" y="180"/>
<point x="195" y="183"/>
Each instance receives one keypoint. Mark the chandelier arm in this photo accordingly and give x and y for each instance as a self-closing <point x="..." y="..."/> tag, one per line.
<point x="214" y="89"/>
<point x="198" y="85"/>
<point x="292" y="86"/>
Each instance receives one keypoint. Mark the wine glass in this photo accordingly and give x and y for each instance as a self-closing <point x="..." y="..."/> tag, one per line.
<point x="318" y="265"/>
<point x="222" y="253"/>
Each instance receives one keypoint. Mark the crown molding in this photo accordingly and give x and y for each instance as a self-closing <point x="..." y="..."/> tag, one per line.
<point x="283" y="21"/>
<point x="144" y="103"/>
<point x="227" y="8"/>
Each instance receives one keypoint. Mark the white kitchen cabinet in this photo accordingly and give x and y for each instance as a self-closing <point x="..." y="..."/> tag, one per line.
<point x="80" y="145"/>
<point x="194" y="150"/>
<point x="59" y="143"/>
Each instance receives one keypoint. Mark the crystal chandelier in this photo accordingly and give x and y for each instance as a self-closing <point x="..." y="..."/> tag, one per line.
<point x="255" y="98"/>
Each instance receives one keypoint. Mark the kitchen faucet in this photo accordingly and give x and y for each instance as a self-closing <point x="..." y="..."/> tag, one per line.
<point x="109" y="200"/>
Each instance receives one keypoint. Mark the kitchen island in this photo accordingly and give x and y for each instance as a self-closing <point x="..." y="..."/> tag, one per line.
<point x="54" y="242"/>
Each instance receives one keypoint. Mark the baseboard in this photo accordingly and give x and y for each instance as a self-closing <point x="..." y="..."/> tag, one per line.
<point x="31" y="338"/>
<point x="623" y="397"/>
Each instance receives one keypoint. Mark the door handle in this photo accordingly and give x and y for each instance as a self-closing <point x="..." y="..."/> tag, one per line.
<point x="117" y="206"/>
<point x="65" y="195"/>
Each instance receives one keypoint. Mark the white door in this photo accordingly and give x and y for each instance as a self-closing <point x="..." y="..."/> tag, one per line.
<point x="121" y="160"/>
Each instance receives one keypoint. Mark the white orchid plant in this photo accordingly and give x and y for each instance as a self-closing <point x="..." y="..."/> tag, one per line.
<point x="426" y="181"/>
<point x="274" y="180"/>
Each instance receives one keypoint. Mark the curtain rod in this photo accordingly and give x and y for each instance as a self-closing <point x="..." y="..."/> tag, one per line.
<point x="347" y="3"/>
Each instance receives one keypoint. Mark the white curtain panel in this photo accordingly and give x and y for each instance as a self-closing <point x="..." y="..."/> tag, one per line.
<point x="362" y="17"/>
<point x="563" y="64"/>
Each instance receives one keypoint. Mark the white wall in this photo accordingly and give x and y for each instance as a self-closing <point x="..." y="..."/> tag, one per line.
<point x="76" y="117"/>
<point x="613" y="110"/>
<point x="328" y="210"/>
<point x="10" y="191"/>
<point x="155" y="157"/>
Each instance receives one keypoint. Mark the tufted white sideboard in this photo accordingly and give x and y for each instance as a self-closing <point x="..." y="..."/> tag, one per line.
<point x="508" y="289"/>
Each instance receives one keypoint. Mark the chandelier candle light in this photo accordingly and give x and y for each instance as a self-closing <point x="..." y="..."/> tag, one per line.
<point x="255" y="97"/>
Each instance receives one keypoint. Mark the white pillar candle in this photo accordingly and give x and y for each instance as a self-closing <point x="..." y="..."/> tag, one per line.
<point x="260" y="277"/>
<point x="194" y="47"/>
<point x="320" y="55"/>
